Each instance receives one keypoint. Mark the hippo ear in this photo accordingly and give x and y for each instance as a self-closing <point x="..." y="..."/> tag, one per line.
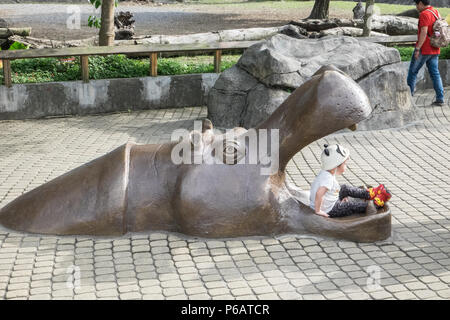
<point x="328" y="67"/>
<point x="206" y="125"/>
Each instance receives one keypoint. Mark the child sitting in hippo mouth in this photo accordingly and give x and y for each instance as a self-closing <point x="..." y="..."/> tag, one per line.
<point x="329" y="199"/>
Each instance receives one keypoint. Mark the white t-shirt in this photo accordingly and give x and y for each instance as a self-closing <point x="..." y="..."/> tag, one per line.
<point x="327" y="180"/>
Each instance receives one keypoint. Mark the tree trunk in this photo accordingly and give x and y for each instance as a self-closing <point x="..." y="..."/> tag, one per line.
<point x="320" y="9"/>
<point x="368" y="18"/>
<point x="106" y="37"/>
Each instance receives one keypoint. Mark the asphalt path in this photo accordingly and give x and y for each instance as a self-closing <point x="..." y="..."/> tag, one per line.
<point x="53" y="21"/>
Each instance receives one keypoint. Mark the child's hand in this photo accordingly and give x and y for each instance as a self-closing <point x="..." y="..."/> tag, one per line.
<point x="321" y="213"/>
<point x="345" y="199"/>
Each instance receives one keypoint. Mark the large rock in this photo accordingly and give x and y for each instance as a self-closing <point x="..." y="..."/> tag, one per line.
<point x="389" y="96"/>
<point x="394" y="25"/>
<point x="230" y="92"/>
<point x="284" y="62"/>
<point x="294" y="31"/>
<point x="389" y="24"/>
<point x="267" y="72"/>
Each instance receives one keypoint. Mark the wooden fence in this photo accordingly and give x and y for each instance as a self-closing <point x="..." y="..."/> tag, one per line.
<point x="149" y="50"/>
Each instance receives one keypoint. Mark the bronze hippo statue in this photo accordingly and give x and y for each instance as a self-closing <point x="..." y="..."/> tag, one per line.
<point x="138" y="188"/>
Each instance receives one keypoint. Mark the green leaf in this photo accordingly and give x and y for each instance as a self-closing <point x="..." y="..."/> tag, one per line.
<point x="18" y="46"/>
<point x="98" y="3"/>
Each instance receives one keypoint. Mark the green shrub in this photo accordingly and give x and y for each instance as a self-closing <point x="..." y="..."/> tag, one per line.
<point x="107" y="67"/>
<point x="406" y="53"/>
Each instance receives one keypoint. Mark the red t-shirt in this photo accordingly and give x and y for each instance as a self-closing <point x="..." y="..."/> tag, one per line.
<point x="427" y="19"/>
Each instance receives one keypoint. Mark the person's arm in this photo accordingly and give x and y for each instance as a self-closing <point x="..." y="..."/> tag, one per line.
<point x="318" y="201"/>
<point x="421" y="41"/>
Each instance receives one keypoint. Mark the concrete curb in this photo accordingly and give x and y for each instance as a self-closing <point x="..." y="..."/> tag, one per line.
<point x="37" y="100"/>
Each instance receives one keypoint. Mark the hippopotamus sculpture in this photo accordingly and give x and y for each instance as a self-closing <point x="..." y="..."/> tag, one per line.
<point x="138" y="188"/>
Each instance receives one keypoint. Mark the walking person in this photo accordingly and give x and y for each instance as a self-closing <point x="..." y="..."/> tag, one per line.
<point x="424" y="53"/>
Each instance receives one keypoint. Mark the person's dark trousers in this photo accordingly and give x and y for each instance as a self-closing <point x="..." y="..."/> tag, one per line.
<point x="342" y="209"/>
<point x="431" y="60"/>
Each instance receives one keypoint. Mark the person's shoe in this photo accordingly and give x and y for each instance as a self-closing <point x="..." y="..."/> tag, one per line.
<point x="381" y="198"/>
<point x="373" y="192"/>
<point x="438" y="103"/>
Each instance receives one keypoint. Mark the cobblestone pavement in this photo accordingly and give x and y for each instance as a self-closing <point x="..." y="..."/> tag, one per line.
<point x="413" y="264"/>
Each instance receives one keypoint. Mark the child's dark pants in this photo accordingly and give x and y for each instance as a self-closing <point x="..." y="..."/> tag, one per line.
<point x="342" y="209"/>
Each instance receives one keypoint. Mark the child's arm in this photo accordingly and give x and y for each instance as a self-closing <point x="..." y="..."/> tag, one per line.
<point x="318" y="201"/>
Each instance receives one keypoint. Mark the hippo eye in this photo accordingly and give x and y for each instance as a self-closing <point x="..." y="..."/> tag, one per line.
<point x="232" y="152"/>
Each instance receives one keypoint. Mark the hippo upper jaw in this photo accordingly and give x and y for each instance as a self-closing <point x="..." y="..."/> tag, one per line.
<point x="329" y="102"/>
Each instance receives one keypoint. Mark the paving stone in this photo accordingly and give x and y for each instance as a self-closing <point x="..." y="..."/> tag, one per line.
<point x="396" y="288"/>
<point x="445" y="294"/>
<point x="215" y="284"/>
<point x="108" y="293"/>
<point x="18" y="286"/>
<point x="62" y="293"/>
<point x="268" y="296"/>
<point x="151" y="290"/>
<point x="105" y="278"/>
<point x="85" y="296"/>
<point x="405" y="295"/>
<point x="172" y="291"/>
<point x="359" y="296"/>
<point x="40" y="297"/>
<point x="196" y="290"/>
<point x="333" y="294"/>
<point x="316" y="296"/>
<point x="202" y="296"/>
<point x="130" y="296"/>
<point x="423" y="294"/>
<point x="262" y="289"/>
<point x="128" y="288"/>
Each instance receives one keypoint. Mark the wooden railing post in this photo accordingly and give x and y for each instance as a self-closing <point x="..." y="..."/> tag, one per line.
<point x="7" y="73"/>
<point x="154" y="64"/>
<point x="217" y="60"/>
<point x="85" y="68"/>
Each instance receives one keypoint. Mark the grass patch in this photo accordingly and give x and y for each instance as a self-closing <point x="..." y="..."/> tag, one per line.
<point x="107" y="67"/>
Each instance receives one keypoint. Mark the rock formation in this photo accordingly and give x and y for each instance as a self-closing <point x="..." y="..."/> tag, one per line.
<point x="248" y="93"/>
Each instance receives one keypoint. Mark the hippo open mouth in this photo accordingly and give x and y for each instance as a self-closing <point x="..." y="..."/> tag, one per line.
<point x="137" y="188"/>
